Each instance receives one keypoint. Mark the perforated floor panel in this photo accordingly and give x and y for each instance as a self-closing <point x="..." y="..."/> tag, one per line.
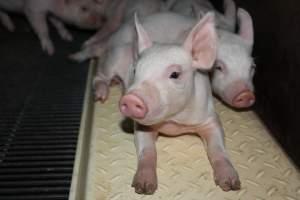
<point x="41" y="99"/>
<point x="184" y="172"/>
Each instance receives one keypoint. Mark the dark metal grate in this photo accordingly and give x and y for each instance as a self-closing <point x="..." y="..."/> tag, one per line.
<point x="41" y="100"/>
<point x="38" y="143"/>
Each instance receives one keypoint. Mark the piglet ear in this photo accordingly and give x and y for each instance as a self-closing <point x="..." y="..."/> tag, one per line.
<point x="245" y="26"/>
<point x="202" y="42"/>
<point x="143" y="40"/>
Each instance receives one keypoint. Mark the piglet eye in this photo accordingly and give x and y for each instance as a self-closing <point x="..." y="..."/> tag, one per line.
<point x="174" y="75"/>
<point x="218" y="67"/>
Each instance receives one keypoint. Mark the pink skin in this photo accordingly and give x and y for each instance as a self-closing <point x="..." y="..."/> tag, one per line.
<point x="239" y="95"/>
<point x="82" y="14"/>
<point x="133" y="106"/>
<point x="166" y="95"/>
<point x="174" y="105"/>
<point x="233" y="71"/>
<point x="110" y="25"/>
<point x="234" y="52"/>
<point x="173" y="97"/>
<point x="235" y="91"/>
<point x="125" y="34"/>
<point x="122" y="12"/>
<point x="234" y="63"/>
<point x="244" y="99"/>
<point x="115" y="67"/>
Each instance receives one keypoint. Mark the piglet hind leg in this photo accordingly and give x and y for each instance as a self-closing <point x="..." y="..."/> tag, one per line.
<point x="145" y="178"/>
<point x="224" y="173"/>
<point x="39" y="25"/>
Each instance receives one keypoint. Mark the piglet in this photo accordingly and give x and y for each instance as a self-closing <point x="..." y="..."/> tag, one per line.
<point x="234" y="68"/>
<point x="165" y="93"/>
<point x="81" y="13"/>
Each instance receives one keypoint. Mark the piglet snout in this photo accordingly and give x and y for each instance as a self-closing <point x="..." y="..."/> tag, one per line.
<point x="133" y="106"/>
<point x="244" y="99"/>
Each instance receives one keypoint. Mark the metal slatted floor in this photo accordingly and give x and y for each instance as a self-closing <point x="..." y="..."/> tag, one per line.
<point x="41" y="101"/>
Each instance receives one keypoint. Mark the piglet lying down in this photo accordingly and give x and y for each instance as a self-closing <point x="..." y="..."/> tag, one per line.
<point x="165" y="93"/>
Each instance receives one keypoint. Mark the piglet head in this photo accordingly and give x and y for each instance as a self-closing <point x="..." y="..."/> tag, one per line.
<point x="234" y="68"/>
<point x="87" y="14"/>
<point x="163" y="75"/>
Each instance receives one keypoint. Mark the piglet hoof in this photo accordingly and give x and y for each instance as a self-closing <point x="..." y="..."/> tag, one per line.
<point x="100" y="92"/>
<point x="226" y="176"/>
<point x="145" y="181"/>
<point x="48" y="47"/>
<point x="66" y="36"/>
<point x="90" y="42"/>
<point x="78" y="57"/>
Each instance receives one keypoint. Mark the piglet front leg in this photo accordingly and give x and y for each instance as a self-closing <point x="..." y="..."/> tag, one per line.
<point x="61" y="29"/>
<point x="224" y="173"/>
<point x="145" y="179"/>
<point x="39" y="25"/>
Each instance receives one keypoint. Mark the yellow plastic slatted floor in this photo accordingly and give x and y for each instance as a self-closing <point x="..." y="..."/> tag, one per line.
<point x="184" y="173"/>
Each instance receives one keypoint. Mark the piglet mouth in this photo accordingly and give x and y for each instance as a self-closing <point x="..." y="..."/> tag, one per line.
<point x="244" y="99"/>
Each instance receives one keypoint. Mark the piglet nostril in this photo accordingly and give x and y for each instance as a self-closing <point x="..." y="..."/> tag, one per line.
<point x="239" y="100"/>
<point x="124" y="107"/>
